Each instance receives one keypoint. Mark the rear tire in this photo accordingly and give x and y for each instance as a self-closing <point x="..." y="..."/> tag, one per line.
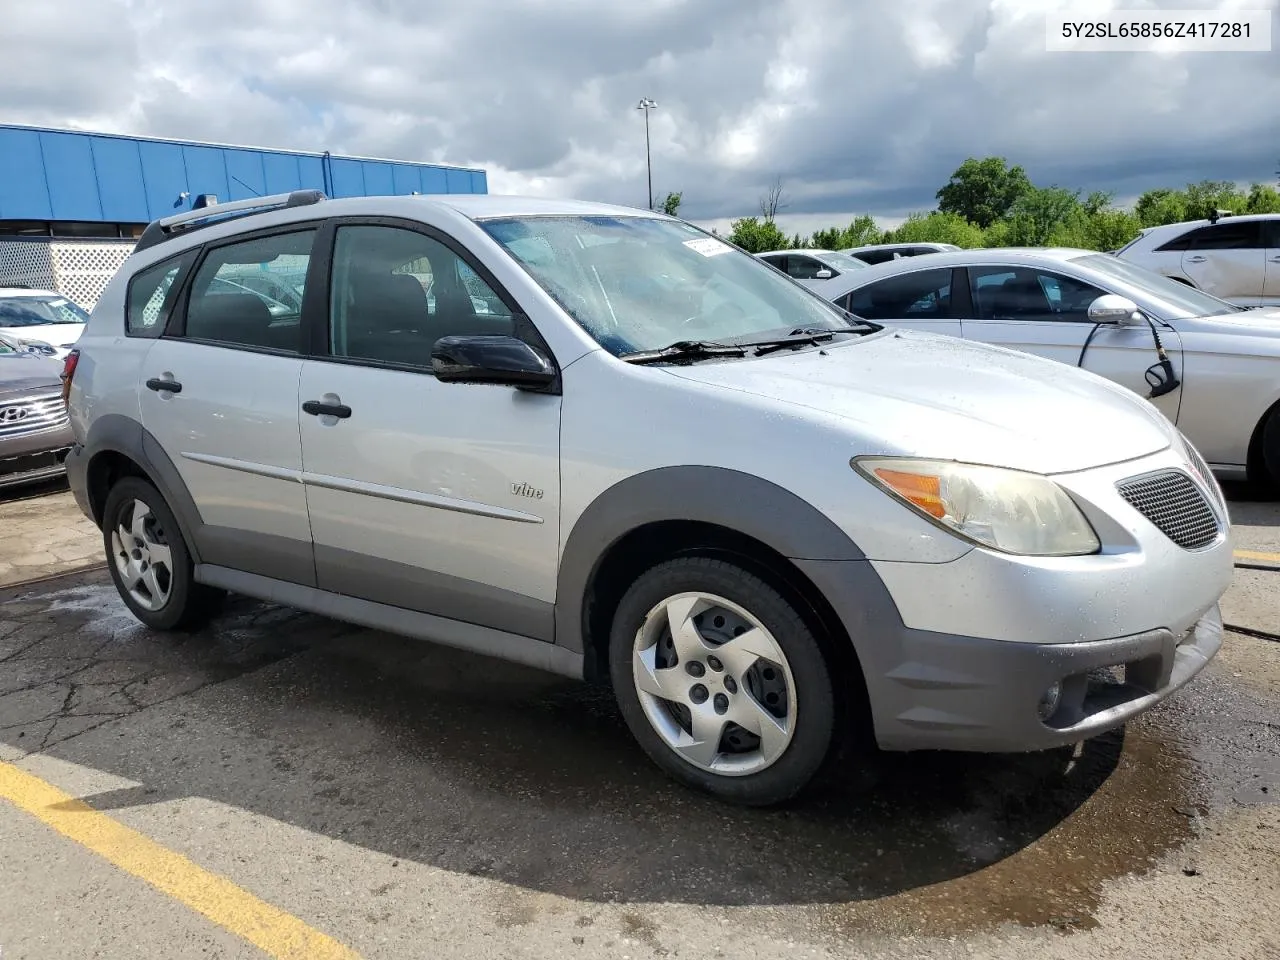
<point x="149" y="561"/>
<point x="1270" y="451"/>
<point x="721" y="681"/>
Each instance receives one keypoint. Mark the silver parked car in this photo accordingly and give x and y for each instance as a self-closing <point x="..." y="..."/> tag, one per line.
<point x="816" y="269"/>
<point x="35" y="432"/>
<point x="653" y="461"/>
<point x="1211" y="367"/>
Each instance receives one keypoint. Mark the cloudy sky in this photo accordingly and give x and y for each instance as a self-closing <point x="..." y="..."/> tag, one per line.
<point x="858" y="105"/>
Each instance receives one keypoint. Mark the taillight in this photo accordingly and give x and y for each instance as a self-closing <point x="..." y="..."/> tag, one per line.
<point x="69" y="371"/>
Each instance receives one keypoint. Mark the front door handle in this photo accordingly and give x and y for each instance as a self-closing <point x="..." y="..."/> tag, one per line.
<point x="1275" y="259"/>
<point x="1196" y="259"/>
<point x="168" y="386"/>
<point x="319" y="409"/>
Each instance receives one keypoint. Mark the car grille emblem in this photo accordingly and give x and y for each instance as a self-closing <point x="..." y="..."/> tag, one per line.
<point x="12" y="414"/>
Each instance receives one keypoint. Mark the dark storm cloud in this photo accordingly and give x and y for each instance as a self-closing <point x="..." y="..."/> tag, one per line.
<point x="855" y="104"/>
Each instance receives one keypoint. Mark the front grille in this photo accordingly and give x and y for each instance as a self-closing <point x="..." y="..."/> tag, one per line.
<point x="31" y="414"/>
<point x="1205" y="474"/>
<point x="1175" y="505"/>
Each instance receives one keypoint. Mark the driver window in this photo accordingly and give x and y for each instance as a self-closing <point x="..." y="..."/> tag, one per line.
<point x="395" y="292"/>
<point x="1021" y="293"/>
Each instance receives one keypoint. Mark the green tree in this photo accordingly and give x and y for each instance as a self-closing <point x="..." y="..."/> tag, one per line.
<point x="757" y="236"/>
<point x="1040" y="212"/>
<point x="671" y="204"/>
<point x="1209" y="195"/>
<point x="983" y="191"/>
<point x="1262" y="199"/>
<point x="861" y="231"/>
<point x="1160" y="206"/>
<point x="936" y="228"/>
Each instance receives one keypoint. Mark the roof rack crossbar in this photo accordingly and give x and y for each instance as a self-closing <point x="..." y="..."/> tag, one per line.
<point x="276" y="201"/>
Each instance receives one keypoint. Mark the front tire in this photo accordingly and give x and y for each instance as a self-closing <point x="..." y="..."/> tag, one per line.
<point x="149" y="560"/>
<point x="721" y="681"/>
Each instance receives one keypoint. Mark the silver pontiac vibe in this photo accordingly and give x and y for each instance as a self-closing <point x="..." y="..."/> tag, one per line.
<point x="605" y="443"/>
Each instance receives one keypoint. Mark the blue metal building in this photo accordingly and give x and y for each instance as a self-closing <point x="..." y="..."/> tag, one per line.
<point x="59" y="183"/>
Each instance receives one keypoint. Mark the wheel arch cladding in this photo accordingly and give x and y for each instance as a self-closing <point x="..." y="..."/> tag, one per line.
<point x="744" y="507"/>
<point x="119" y="446"/>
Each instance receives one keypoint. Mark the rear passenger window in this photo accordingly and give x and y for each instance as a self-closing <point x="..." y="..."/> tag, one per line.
<point x="923" y="295"/>
<point x="396" y="292"/>
<point x="249" y="294"/>
<point x="151" y="295"/>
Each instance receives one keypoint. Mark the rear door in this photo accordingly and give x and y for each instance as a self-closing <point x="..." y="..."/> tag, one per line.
<point x="1228" y="259"/>
<point x="920" y="300"/>
<point x="221" y="398"/>
<point x="1046" y="313"/>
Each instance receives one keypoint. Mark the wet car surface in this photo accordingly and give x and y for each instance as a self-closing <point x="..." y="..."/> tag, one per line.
<point x="483" y="769"/>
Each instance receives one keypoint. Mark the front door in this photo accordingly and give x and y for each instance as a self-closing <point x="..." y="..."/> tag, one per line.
<point x="438" y="498"/>
<point x="1047" y="313"/>
<point x="221" y="398"/>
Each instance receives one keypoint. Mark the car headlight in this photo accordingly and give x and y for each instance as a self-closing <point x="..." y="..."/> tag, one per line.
<point x="1007" y="510"/>
<point x="38" y="347"/>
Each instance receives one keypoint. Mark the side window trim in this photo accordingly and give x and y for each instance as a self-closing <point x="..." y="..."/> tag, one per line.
<point x="177" y="329"/>
<point x="317" y="301"/>
<point x="168" y="307"/>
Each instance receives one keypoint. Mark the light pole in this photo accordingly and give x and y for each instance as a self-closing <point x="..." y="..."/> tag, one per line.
<point x="646" y="105"/>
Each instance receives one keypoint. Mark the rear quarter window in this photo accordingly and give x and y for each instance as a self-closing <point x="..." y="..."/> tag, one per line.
<point x="152" y="293"/>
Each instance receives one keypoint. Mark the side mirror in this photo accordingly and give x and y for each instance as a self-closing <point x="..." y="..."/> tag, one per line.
<point x="823" y="274"/>
<point x="491" y="359"/>
<point x="1112" y="308"/>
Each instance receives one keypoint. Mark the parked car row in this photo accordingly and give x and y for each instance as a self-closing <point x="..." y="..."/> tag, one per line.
<point x="40" y="321"/>
<point x="651" y="461"/>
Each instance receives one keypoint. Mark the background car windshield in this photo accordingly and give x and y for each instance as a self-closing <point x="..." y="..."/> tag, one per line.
<point x="1180" y="301"/>
<point x="841" y="261"/>
<point x="38" y="311"/>
<point x="637" y="283"/>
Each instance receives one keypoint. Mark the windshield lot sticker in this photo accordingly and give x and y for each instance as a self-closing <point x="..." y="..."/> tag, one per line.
<point x="708" y="246"/>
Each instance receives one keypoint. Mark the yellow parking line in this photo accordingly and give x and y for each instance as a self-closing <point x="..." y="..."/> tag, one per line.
<point x="1255" y="555"/>
<point x="275" y="932"/>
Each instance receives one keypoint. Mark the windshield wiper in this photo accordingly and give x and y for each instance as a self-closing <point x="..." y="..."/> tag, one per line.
<point x="796" y="338"/>
<point x="685" y="350"/>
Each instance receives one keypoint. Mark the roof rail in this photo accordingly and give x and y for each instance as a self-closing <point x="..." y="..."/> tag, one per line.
<point x="160" y="230"/>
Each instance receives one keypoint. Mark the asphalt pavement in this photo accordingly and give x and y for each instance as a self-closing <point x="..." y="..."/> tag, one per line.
<point x="283" y="785"/>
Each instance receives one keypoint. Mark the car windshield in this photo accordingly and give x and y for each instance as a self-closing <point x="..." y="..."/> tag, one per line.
<point x="1180" y="301"/>
<point x="38" y="311"/>
<point x="637" y="283"/>
<point x="841" y="261"/>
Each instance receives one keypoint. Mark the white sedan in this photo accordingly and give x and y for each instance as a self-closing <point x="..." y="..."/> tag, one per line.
<point x="43" y="322"/>
<point x="1210" y="366"/>
<point x="816" y="269"/>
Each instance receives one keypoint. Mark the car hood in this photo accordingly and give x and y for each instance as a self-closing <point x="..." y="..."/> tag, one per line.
<point x="54" y="334"/>
<point x="926" y="395"/>
<point x="21" y="374"/>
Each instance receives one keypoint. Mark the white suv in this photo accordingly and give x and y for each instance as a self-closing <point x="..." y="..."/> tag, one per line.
<point x="1234" y="258"/>
<point x="602" y="442"/>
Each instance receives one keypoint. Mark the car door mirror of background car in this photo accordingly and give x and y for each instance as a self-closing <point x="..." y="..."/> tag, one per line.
<point x="1112" y="308"/>
<point x="491" y="359"/>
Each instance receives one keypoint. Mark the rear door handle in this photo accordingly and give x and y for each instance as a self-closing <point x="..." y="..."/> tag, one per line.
<point x="318" y="409"/>
<point x="169" y="386"/>
<point x="1196" y="259"/>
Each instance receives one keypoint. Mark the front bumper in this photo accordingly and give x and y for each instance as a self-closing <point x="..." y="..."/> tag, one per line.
<point x="961" y="693"/>
<point x="31" y="457"/>
<point x="958" y="655"/>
